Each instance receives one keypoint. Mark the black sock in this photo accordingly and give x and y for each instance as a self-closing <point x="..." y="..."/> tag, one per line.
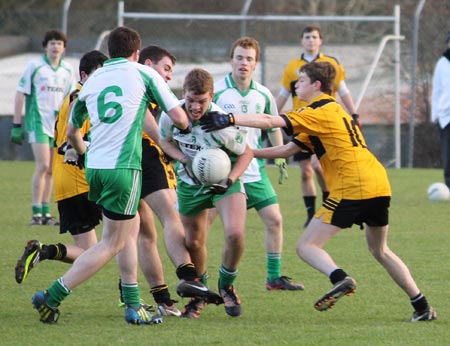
<point x="161" y="294"/>
<point x="419" y="303"/>
<point x="187" y="271"/>
<point x="337" y="275"/>
<point x="310" y="204"/>
<point x="55" y="252"/>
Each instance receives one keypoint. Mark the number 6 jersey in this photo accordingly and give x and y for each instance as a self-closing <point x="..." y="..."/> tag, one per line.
<point x="116" y="97"/>
<point x="351" y="171"/>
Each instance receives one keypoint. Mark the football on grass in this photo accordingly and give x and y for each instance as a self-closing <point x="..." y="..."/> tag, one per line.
<point x="211" y="166"/>
<point x="438" y="192"/>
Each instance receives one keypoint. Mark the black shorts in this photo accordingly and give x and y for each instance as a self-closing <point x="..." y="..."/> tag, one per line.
<point x="157" y="171"/>
<point x="345" y="213"/>
<point x="78" y="215"/>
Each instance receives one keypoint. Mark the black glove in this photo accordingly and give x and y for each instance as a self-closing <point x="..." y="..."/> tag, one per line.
<point x="71" y="157"/>
<point x="213" y="121"/>
<point x="63" y="148"/>
<point x="187" y="130"/>
<point x="220" y="188"/>
<point x="355" y="117"/>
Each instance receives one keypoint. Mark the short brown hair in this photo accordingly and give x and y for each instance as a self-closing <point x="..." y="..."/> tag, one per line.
<point x="123" y="42"/>
<point x="198" y="81"/>
<point x="155" y="54"/>
<point x="323" y="72"/>
<point x="311" y="28"/>
<point x="54" y="34"/>
<point x="247" y="43"/>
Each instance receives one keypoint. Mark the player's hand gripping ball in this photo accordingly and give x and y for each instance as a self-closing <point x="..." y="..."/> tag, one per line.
<point x="210" y="166"/>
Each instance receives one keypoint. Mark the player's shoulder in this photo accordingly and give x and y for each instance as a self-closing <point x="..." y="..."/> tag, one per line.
<point x="220" y="85"/>
<point x="331" y="59"/>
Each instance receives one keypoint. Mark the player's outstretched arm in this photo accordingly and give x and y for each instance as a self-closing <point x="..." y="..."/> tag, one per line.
<point x="215" y="121"/>
<point x="285" y="151"/>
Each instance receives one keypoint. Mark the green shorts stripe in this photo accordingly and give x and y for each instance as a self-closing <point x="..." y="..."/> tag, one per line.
<point x="116" y="190"/>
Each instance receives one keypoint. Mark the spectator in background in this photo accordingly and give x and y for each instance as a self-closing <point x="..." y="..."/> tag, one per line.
<point x="440" y="106"/>
<point x="311" y="40"/>
<point x="45" y="83"/>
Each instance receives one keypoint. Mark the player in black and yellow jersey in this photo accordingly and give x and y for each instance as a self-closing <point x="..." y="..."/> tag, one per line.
<point x="360" y="192"/>
<point x="311" y="40"/>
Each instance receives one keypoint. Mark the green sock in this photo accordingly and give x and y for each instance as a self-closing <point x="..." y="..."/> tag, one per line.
<point x="36" y="209"/>
<point x="273" y="265"/>
<point x="131" y="295"/>
<point x="57" y="292"/>
<point x="226" y="277"/>
<point x="46" y="209"/>
<point x="204" y="278"/>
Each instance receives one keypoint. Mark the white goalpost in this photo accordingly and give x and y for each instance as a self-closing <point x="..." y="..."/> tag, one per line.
<point x="244" y="17"/>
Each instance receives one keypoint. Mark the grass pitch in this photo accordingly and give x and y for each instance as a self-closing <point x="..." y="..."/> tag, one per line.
<point x="375" y="315"/>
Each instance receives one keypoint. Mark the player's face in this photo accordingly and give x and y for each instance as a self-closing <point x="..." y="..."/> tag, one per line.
<point x="197" y="105"/>
<point x="243" y="63"/>
<point x="54" y="49"/>
<point x="304" y="89"/>
<point x="164" y="67"/>
<point x="311" y="41"/>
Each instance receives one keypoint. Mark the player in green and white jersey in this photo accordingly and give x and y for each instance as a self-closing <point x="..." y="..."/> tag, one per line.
<point x="239" y="93"/>
<point x="194" y="199"/>
<point x="115" y="98"/>
<point x="43" y="87"/>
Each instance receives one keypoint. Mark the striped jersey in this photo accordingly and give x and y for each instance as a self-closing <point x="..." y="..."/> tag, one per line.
<point x="69" y="181"/>
<point x="116" y="98"/>
<point x="350" y="170"/>
<point x="231" y="140"/>
<point x="45" y="88"/>
<point x="291" y="75"/>
<point x="257" y="99"/>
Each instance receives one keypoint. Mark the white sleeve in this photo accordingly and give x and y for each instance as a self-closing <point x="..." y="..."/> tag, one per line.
<point x="25" y="82"/>
<point x="284" y="92"/>
<point x="343" y="89"/>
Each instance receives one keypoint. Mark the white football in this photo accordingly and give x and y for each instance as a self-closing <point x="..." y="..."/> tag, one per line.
<point x="438" y="192"/>
<point x="211" y="166"/>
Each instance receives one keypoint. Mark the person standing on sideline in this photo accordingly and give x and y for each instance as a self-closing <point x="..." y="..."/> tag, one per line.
<point x="194" y="199"/>
<point x="311" y="40"/>
<point x="44" y="85"/>
<point x="239" y="93"/>
<point x="440" y="106"/>
<point x="360" y="191"/>
<point x="78" y="215"/>
<point x="114" y="98"/>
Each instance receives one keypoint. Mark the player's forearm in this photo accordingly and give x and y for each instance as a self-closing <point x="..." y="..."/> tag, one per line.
<point x="170" y="148"/>
<point x="284" y="151"/>
<point x="262" y="121"/>
<point x="275" y="137"/>
<point x="241" y="164"/>
<point x="18" y="107"/>
<point x="347" y="100"/>
<point x="75" y="139"/>
<point x="280" y="100"/>
<point x="179" y="117"/>
<point x="151" y="127"/>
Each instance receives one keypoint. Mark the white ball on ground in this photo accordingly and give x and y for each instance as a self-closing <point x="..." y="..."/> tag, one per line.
<point x="438" y="192"/>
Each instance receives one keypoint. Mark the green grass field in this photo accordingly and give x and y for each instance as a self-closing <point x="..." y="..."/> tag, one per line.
<point x="375" y="315"/>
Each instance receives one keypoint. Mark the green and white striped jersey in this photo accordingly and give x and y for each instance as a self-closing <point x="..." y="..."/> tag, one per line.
<point x="257" y="99"/>
<point x="45" y="89"/>
<point x="116" y="98"/>
<point x="231" y="140"/>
